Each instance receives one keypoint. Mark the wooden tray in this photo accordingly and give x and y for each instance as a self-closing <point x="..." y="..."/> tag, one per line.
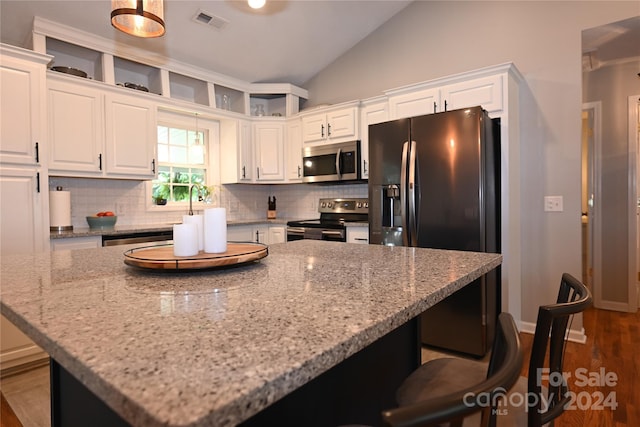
<point x="162" y="258"/>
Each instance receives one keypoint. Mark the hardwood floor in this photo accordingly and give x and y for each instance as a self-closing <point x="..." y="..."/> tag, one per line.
<point x="612" y="347"/>
<point x="613" y="344"/>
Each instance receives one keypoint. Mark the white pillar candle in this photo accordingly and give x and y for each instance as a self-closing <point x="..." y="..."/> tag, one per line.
<point x="185" y="240"/>
<point x="198" y="220"/>
<point x="215" y="230"/>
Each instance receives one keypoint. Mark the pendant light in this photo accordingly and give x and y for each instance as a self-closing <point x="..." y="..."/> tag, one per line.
<point x="140" y="18"/>
<point x="256" y="4"/>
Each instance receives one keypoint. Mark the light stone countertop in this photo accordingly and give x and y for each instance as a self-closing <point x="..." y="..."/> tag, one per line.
<point x="216" y="347"/>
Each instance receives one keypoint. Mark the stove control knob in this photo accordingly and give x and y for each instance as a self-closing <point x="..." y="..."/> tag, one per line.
<point x="329" y="205"/>
<point x="323" y="204"/>
<point x="359" y="205"/>
<point x="366" y="205"/>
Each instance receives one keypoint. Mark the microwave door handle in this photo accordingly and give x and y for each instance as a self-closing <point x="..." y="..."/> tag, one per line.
<point x="338" y="169"/>
<point x="403" y="194"/>
<point x="413" y="220"/>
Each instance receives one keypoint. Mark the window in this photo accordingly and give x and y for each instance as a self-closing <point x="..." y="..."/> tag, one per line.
<point x="182" y="154"/>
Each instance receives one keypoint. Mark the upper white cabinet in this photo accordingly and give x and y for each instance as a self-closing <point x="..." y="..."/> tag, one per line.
<point x="21" y="108"/>
<point x="268" y="143"/>
<point x="95" y="133"/>
<point x="335" y="124"/>
<point x="131" y="136"/>
<point x="374" y="110"/>
<point x="76" y="129"/>
<point x="484" y="87"/>
<point x="294" y="150"/>
<point x="236" y="152"/>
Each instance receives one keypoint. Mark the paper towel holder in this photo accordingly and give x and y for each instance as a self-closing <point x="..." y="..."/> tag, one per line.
<point x="60" y="228"/>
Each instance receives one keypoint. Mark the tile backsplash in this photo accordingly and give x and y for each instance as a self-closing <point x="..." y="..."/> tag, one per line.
<point x="129" y="200"/>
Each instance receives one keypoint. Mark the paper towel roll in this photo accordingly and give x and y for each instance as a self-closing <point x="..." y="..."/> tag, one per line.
<point x="60" y="210"/>
<point x="198" y="220"/>
<point x="215" y="230"/>
<point x="185" y="239"/>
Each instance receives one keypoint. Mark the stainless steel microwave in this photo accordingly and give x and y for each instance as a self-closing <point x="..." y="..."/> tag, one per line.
<point x="331" y="162"/>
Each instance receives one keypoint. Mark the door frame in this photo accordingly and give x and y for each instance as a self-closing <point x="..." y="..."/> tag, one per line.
<point x="594" y="216"/>
<point x="634" y="165"/>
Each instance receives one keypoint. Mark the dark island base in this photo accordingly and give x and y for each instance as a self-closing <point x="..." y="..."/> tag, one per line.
<point x="355" y="391"/>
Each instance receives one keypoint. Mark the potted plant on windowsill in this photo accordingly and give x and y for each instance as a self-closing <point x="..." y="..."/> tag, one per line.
<point x="160" y="194"/>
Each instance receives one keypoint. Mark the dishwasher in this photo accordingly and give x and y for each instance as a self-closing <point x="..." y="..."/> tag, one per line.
<point x="138" y="237"/>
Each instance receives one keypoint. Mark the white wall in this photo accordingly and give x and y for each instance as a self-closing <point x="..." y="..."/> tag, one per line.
<point x="434" y="39"/>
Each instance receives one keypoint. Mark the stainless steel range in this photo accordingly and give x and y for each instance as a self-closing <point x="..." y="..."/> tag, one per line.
<point x="334" y="213"/>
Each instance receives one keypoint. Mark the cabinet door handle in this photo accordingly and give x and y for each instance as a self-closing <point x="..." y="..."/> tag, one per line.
<point x="257" y="236"/>
<point x="244" y="175"/>
<point x="100" y="161"/>
<point x="37" y="182"/>
<point x="435" y="107"/>
<point x="445" y="105"/>
<point x="37" y="153"/>
<point x="298" y="171"/>
<point x="258" y="170"/>
<point x="365" y="166"/>
<point x="153" y="166"/>
<point x="322" y="131"/>
<point x="328" y="129"/>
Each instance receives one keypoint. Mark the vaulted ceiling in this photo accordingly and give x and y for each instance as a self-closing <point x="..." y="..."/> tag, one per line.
<point x="285" y="42"/>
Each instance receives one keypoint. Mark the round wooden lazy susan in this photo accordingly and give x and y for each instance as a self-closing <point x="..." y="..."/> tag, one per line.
<point x="162" y="258"/>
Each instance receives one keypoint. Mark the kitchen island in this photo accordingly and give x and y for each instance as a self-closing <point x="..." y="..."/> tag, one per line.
<point x="218" y="348"/>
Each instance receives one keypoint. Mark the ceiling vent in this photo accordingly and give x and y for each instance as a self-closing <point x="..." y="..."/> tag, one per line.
<point x="207" y="18"/>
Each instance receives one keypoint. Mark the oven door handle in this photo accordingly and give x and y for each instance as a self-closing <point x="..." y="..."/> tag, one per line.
<point x="296" y="231"/>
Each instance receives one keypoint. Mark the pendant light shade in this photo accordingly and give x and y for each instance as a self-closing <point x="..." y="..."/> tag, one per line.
<point x="140" y="18"/>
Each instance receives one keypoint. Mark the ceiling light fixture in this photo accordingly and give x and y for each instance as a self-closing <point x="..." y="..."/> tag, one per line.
<point x="256" y="4"/>
<point x="140" y="18"/>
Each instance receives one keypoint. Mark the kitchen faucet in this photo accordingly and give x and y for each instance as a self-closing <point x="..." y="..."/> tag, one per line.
<point x="191" y="197"/>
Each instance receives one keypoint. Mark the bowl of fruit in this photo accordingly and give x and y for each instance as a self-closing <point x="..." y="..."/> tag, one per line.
<point x="102" y="220"/>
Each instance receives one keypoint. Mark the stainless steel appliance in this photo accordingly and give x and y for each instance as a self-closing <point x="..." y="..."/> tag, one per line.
<point x="331" y="162"/>
<point x="138" y="237"/>
<point x="434" y="183"/>
<point x="334" y="213"/>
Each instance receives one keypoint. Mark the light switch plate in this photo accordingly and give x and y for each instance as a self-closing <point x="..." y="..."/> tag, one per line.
<point x="553" y="204"/>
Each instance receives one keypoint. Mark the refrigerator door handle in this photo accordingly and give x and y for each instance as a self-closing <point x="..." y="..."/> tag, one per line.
<point x="413" y="223"/>
<point x="338" y="169"/>
<point x="403" y="194"/>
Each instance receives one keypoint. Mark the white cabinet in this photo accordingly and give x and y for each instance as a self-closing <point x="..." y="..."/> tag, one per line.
<point x="252" y="152"/>
<point x="131" y="136"/>
<point x="334" y="125"/>
<point x="268" y="143"/>
<point x="98" y="134"/>
<point x="88" y="242"/>
<point x="236" y="152"/>
<point x="21" y="92"/>
<point x="24" y="221"/>
<point x="76" y="129"/>
<point x="358" y="235"/>
<point x="460" y="91"/>
<point x="415" y="102"/>
<point x="277" y="234"/>
<point x="257" y="233"/>
<point x="294" y="151"/>
<point x="374" y="110"/>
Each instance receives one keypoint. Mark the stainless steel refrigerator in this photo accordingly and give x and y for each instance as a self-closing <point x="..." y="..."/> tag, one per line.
<point x="434" y="183"/>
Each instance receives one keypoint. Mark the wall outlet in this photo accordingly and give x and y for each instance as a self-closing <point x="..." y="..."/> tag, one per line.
<point x="553" y="204"/>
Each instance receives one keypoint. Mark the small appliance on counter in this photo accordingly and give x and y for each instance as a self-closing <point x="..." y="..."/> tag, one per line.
<point x="60" y="210"/>
<point x="334" y="213"/>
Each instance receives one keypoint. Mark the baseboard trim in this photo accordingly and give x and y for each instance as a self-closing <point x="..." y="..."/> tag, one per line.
<point x="574" y="335"/>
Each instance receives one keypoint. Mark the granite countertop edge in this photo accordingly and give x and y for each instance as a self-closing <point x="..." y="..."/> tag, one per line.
<point x="144" y="228"/>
